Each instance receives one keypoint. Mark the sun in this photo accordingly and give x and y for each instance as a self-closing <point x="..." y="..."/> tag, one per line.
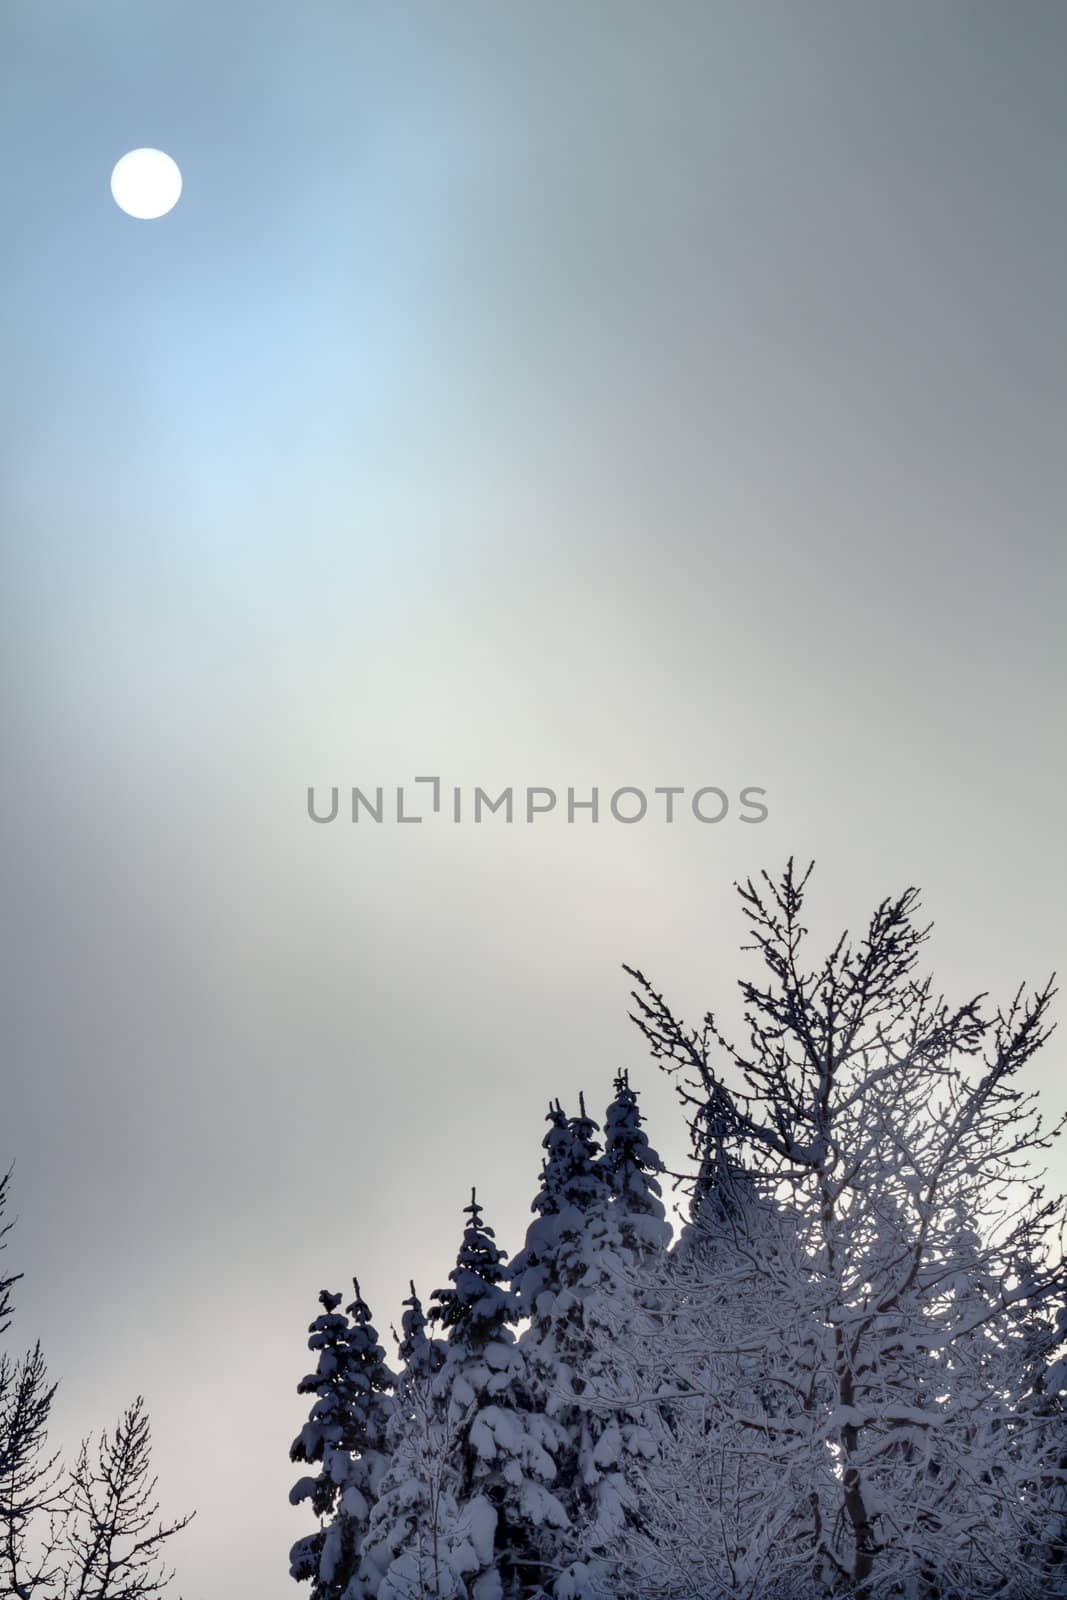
<point x="146" y="183"/>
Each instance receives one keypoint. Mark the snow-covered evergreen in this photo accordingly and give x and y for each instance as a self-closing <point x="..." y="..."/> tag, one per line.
<point x="406" y="1552"/>
<point x="345" y="1435"/>
<point x="598" y="1218"/>
<point x="504" y="1445"/>
<point x="629" y="1164"/>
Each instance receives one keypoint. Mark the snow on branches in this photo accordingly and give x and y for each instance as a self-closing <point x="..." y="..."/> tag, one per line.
<point x="845" y="1378"/>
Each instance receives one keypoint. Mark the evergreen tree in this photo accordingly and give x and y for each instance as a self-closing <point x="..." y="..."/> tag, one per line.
<point x="583" y="1182"/>
<point x="406" y="1551"/>
<point x="629" y="1166"/>
<point x="503" y="1444"/>
<point x="345" y="1435"/>
<point x="417" y="1348"/>
<point x="597" y="1221"/>
<point x="629" y="1163"/>
<point x="723" y="1192"/>
<point x="572" y="1187"/>
<point x="532" y="1271"/>
<point x="478" y="1307"/>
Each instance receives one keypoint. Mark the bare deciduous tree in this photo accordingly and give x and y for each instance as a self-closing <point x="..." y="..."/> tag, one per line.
<point x="112" y="1536"/>
<point x="91" y="1532"/>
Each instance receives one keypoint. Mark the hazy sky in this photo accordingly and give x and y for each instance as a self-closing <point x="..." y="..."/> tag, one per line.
<point x="560" y="394"/>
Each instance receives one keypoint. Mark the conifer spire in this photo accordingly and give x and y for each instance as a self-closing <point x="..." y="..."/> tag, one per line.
<point x="414" y="1342"/>
<point x="629" y="1163"/>
<point x="345" y="1434"/>
<point x="477" y="1307"/>
<point x="556" y="1145"/>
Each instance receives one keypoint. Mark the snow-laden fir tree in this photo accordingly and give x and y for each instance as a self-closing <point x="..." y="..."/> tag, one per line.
<point x="632" y="1248"/>
<point x="345" y="1435"/>
<point x="548" y="1274"/>
<point x="554" y="1255"/>
<point x="598" y="1217"/>
<point x="466" y="1508"/>
<point x="629" y="1166"/>
<point x="503" y="1444"/>
<point x="407" y="1549"/>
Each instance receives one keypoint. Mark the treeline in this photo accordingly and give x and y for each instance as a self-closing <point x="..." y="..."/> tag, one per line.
<point x="844" y="1377"/>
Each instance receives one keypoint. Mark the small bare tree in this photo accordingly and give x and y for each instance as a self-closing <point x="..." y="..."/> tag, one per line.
<point x="91" y="1532"/>
<point x="111" y="1536"/>
<point x="7" y="1282"/>
<point x="29" y="1489"/>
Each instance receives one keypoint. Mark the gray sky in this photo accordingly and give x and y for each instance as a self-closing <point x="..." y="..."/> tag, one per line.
<point x="560" y="394"/>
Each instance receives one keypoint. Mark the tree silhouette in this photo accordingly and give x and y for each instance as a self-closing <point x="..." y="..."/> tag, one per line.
<point x="90" y="1532"/>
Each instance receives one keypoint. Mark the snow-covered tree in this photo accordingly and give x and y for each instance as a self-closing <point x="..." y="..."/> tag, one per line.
<point x="629" y="1164"/>
<point x="553" y="1259"/>
<point x="466" y="1508"/>
<point x="502" y="1442"/>
<point x="570" y="1184"/>
<point x="629" y="1167"/>
<point x="598" y="1219"/>
<point x="407" y="1549"/>
<point x="885" y="1449"/>
<point x="847" y="1380"/>
<point x="721" y="1370"/>
<point x="345" y="1435"/>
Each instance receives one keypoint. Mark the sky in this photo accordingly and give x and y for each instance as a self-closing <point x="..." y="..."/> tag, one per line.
<point x="564" y="395"/>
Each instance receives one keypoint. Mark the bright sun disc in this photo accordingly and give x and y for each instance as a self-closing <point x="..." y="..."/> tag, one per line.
<point x="146" y="183"/>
